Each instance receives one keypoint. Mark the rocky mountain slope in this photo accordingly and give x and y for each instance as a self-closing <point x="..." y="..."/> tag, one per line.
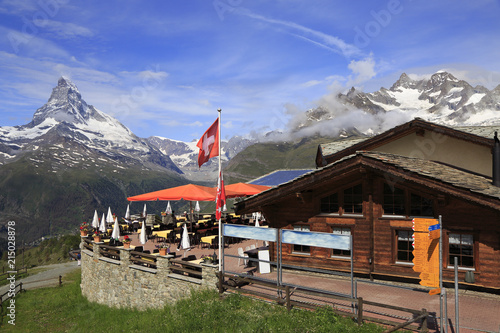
<point x="185" y="155"/>
<point x="70" y="160"/>
<point x="442" y="99"/>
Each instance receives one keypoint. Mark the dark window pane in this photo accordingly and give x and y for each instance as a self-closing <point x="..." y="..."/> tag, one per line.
<point x="420" y="206"/>
<point x="454" y="249"/>
<point x="394" y="200"/>
<point x="462" y="247"/>
<point x="330" y="204"/>
<point x="404" y="245"/>
<point x="353" y="199"/>
<point x="467" y="262"/>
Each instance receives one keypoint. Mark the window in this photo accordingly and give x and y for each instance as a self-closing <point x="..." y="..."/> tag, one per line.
<point x="394" y="200"/>
<point x="420" y="206"/>
<point x="341" y="231"/>
<point x="461" y="246"/>
<point x="330" y="204"/>
<point x="353" y="199"/>
<point x="303" y="249"/>
<point x="404" y="246"/>
<point x="350" y="199"/>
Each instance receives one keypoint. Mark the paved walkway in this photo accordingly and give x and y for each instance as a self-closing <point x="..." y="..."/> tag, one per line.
<point x="478" y="312"/>
<point x="48" y="278"/>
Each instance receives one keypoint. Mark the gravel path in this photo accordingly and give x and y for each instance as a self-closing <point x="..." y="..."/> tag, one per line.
<point x="47" y="278"/>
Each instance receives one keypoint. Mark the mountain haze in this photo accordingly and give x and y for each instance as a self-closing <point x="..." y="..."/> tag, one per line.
<point x="442" y="99"/>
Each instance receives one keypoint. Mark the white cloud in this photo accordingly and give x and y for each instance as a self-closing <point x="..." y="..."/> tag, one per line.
<point x="63" y="29"/>
<point x="319" y="38"/>
<point x="363" y="70"/>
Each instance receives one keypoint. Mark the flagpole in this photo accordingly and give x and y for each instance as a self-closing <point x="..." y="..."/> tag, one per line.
<point x="220" y="183"/>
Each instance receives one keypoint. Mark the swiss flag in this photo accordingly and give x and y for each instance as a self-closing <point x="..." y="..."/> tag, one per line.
<point x="209" y="144"/>
<point x="220" y="200"/>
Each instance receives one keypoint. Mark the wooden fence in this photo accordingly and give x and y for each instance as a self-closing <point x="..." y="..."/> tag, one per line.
<point x="17" y="270"/>
<point x="179" y="266"/>
<point x="354" y="306"/>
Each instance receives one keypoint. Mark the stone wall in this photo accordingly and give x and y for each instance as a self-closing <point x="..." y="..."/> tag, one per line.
<point x="122" y="284"/>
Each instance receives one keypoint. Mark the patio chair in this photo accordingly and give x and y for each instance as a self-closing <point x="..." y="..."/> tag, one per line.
<point x="241" y="255"/>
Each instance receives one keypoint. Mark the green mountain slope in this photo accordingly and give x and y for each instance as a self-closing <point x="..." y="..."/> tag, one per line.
<point x="43" y="202"/>
<point x="262" y="158"/>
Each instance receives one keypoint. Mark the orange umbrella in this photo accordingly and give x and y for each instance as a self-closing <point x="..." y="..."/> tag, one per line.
<point x="243" y="189"/>
<point x="188" y="192"/>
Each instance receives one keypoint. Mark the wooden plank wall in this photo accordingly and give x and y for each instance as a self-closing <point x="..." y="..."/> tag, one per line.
<point x="374" y="234"/>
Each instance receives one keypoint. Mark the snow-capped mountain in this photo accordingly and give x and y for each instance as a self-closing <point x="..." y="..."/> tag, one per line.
<point x="441" y="99"/>
<point x="185" y="155"/>
<point x="80" y="130"/>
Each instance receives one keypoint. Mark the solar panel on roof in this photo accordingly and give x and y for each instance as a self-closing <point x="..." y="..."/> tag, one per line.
<point x="279" y="177"/>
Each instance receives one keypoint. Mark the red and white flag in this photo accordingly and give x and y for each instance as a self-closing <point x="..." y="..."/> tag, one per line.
<point x="209" y="144"/>
<point x="220" y="200"/>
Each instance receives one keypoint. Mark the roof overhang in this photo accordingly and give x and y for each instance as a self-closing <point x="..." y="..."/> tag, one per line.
<point x="474" y="188"/>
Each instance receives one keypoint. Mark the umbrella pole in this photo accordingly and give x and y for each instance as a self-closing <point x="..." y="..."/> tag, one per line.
<point x="191" y="216"/>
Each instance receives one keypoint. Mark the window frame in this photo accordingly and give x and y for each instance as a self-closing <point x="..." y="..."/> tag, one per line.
<point x="341" y="201"/>
<point x="396" y="250"/>
<point x="451" y="263"/>
<point x="384" y="195"/>
<point x="408" y="204"/>
<point x="341" y="255"/>
<point x="295" y="247"/>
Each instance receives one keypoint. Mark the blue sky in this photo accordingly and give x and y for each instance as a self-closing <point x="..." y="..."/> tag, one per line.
<point x="165" y="67"/>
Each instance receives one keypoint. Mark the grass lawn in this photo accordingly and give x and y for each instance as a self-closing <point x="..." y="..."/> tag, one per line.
<point x="64" y="309"/>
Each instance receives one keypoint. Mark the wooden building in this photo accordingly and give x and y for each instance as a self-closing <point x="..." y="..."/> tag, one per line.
<point x="372" y="188"/>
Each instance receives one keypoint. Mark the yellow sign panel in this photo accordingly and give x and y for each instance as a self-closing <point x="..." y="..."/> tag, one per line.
<point x="435" y="291"/>
<point x="422" y="225"/>
<point x="425" y="253"/>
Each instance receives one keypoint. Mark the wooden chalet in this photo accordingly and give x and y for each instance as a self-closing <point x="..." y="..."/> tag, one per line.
<point x="373" y="187"/>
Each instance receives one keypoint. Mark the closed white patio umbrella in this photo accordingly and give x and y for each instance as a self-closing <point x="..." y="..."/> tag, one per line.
<point x="127" y="214"/>
<point x="143" y="238"/>
<point x="185" y="245"/>
<point x="109" y="218"/>
<point x="95" y="221"/>
<point x="169" y="209"/>
<point x="116" y="230"/>
<point x="102" y="227"/>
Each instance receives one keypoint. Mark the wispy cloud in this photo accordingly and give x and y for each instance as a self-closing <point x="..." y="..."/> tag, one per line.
<point x="63" y="29"/>
<point x="315" y="37"/>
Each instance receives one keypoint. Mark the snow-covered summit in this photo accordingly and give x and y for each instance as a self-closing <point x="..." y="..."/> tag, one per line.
<point x="67" y="118"/>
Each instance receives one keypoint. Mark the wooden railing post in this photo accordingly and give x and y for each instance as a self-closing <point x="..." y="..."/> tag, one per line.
<point x="423" y="328"/>
<point x="288" y="301"/>
<point x="360" y="310"/>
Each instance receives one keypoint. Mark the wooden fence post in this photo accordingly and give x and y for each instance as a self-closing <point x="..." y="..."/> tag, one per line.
<point x="60" y="280"/>
<point x="423" y="328"/>
<point x="288" y="301"/>
<point x="360" y="310"/>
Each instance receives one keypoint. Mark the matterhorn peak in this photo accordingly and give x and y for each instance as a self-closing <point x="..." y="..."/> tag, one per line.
<point x="64" y="90"/>
<point x="64" y="105"/>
